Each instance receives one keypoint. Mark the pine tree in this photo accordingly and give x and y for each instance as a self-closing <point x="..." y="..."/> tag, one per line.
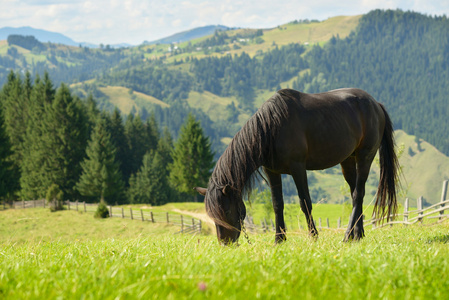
<point x="150" y="183"/>
<point x="152" y="132"/>
<point x="15" y="108"/>
<point x="64" y="141"/>
<point x="101" y="178"/>
<point x="32" y="173"/>
<point x="192" y="158"/>
<point x="165" y="148"/>
<point x="55" y="142"/>
<point x="92" y="112"/>
<point x="118" y="138"/>
<point x="5" y="163"/>
<point x="137" y="138"/>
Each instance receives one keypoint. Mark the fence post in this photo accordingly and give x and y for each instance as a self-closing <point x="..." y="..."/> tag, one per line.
<point x="152" y="217"/>
<point x="443" y="197"/>
<point x="319" y="222"/>
<point x="141" y="214"/>
<point x="23" y="203"/>
<point x="131" y="212"/>
<point x="339" y="222"/>
<point x="76" y="205"/>
<point x="68" y="204"/>
<point x="34" y="203"/>
<point x="200" y="226"/>
<point x="419" y="205"/>
<point x="168" y="220"/>
<point x="44" y="202"/>
<point x="327" y="221"/>
<point x="110" y="211"/>
<point x="123" y="213"/>
<point x="182" y="225"/>
<point x="406" y="206"/>
<point x="84" y="206"/>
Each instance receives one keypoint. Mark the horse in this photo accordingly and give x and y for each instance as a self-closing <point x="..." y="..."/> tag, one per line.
<point x="293" y="132"/>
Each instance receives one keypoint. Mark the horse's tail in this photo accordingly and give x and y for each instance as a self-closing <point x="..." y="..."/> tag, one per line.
<point x="386" y="202"/>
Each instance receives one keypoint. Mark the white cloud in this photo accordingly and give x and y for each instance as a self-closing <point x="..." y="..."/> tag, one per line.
<point x="133" y="21"/>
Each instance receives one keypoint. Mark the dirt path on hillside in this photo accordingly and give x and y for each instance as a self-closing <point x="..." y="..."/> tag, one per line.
<point x="201" y="216"/>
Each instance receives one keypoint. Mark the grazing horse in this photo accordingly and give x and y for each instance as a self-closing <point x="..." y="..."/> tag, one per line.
<point x="293" y="132"/>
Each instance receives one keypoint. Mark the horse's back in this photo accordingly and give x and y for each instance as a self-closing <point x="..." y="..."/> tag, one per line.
<point x="325" y="128"/>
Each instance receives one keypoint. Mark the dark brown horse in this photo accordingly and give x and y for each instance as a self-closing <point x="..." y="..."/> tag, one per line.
<point x="293" y="132"/>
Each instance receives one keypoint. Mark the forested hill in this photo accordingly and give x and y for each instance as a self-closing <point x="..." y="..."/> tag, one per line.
<point x="401" y="58"/>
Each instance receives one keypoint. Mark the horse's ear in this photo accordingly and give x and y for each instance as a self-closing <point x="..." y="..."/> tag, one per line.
<point x="226" y="190"/>
<point x="200" y="190"/>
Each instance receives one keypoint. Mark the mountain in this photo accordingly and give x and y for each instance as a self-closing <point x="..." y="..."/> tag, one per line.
<point x="43" y="36"/>
<point x="188" y="35"/>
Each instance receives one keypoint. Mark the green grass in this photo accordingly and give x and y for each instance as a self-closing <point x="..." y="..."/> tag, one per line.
<point x="40" y="225"/>
<point x="120" y="97"/>
<point x="110" y="262"/>
<point x="210" y="104"/>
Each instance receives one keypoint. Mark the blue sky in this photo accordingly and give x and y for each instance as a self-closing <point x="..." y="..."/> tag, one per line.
<point x="133" y="21"/>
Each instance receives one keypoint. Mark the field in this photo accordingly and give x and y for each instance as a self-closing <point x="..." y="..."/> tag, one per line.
<point x="71" y="255"/>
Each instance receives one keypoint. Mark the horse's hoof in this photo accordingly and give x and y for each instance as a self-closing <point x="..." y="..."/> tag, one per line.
<point x="280" y="239"/>
<point x="313" y="234"/>
<point x="359" y="236"/>
<point x="348" y="237"/>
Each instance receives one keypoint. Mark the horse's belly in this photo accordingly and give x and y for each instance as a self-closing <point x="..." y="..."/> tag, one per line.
<point x="327" y="155"/>
<point x="312" y="164"/>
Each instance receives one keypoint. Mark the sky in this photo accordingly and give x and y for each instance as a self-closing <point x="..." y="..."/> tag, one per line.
<point x="134" y="21"/>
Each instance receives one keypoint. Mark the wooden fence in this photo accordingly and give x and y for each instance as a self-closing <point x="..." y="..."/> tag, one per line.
<point x="408" y="217"/>
<point x="186" y="224"/>
<point x="192" y="225"/>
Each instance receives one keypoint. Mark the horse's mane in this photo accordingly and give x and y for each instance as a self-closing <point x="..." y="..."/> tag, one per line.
<point x="251" y="147"/>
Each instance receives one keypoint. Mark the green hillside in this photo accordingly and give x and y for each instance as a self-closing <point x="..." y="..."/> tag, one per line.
<point x="424" y="168"/>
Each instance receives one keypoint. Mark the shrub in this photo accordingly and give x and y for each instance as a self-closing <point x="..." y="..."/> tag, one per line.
<point x="102" y="211"/>
<point x="54" y="197"/>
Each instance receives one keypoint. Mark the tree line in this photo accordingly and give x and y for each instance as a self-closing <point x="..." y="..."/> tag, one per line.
<point x="54" y="143"/>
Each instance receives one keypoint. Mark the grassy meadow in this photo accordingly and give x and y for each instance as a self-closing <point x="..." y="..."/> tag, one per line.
<point x="71" y="255"/>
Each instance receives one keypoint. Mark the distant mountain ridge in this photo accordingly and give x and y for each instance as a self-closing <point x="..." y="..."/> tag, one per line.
<point x="41" y="35"/>
<point x="45" y="36"/>
<point x="188" y="35"/>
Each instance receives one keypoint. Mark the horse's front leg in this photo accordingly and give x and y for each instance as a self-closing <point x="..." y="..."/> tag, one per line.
<point x="356" y="175"/>
<point x="275" y="182"/>
<point x="299" y="174"/>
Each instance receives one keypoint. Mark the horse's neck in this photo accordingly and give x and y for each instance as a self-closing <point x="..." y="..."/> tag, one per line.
<point x="243" y="165"/>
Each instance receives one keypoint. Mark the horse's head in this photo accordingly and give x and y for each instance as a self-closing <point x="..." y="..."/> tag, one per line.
<point x="225" y="206"/>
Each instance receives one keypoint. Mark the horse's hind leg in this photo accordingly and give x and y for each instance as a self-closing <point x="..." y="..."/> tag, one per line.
<point x="278" y="204"/>
<point x="356" y="173"/>
<point x="299" y="173"/>
<point x="348" y="167"/>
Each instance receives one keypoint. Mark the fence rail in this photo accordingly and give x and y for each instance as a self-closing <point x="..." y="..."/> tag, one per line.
<point x="410" y="216"/>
